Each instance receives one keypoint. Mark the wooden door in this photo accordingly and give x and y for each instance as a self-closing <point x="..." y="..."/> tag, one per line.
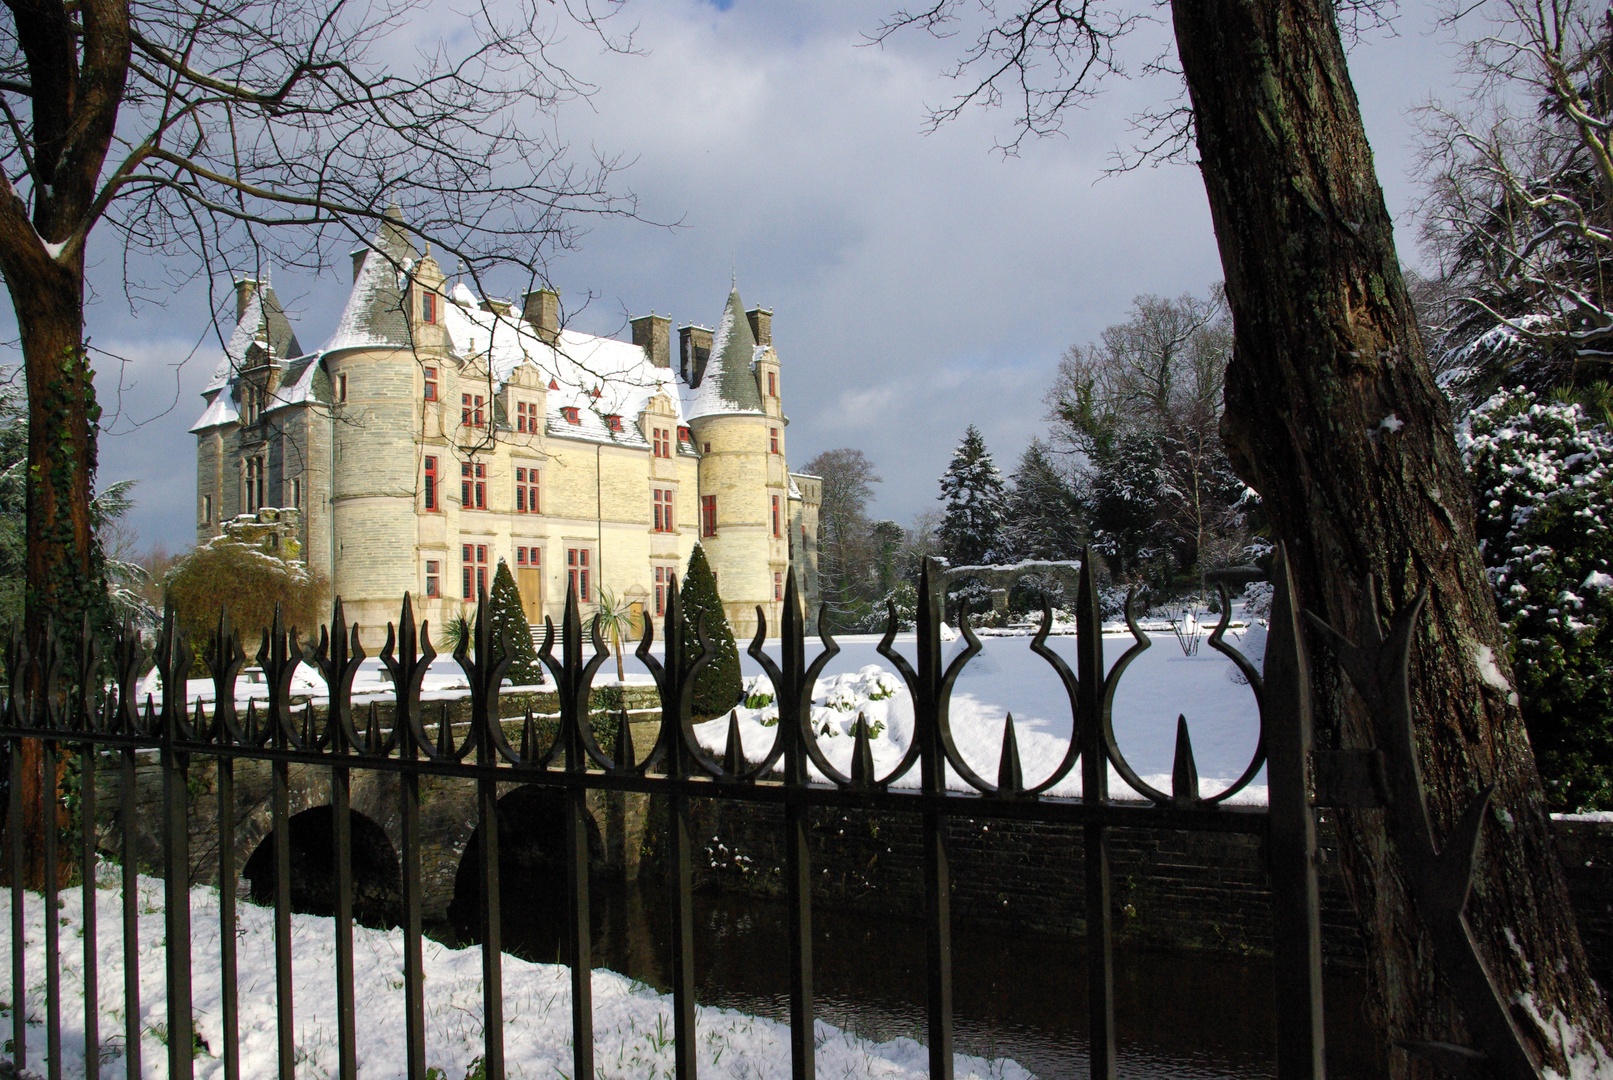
<point x="530" y="581"/>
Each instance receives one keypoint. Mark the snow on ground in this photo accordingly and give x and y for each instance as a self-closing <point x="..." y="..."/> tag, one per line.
<point x="632" y="1022"/>
<point x="1162" y="683"/>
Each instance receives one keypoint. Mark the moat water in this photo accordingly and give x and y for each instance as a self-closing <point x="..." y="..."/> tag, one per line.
<point x="1189" y="1015"/>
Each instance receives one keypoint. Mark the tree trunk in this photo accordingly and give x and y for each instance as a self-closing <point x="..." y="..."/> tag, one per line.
<point x="1333" y="416"/>
<point x="63" y="580"/>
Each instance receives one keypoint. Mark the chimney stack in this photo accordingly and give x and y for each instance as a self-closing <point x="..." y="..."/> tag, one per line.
<point x="542" y="310"/>
<point x="653" y="334"/>
<point x="245" y="289"/>
<point x="761" y="325"/>
<point x="694" y="349"/>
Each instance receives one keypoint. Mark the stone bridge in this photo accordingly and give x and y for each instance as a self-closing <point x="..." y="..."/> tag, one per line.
<point x="530" y="827"/>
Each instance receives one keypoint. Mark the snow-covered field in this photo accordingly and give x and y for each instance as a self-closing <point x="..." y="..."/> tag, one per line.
<point x="632" y="1022"/>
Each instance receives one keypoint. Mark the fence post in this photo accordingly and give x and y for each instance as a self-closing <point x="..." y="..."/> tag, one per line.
<point x="1285" y="723"/>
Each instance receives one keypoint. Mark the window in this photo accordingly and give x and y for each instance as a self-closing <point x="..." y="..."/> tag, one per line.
<point x="663" y="580"/>
<point x="662" y="439"/>
<point x="341" y="388"/>
<point x="296" y="493"/>
<point x="708" y="515"/>
<point x="433" y="577"/>
<point x="526" y="417"/>
<point x="526" y="491"/>
<point x="772" y="435"/>
<point x="255" y="483"/>
<point x="431" y="482"/>
<point x="528" y="556"/>
<point x="431" y="384"/>
<point x="665" y="522"/>
<point x="473" y="569"/>
<point x="778" y="584"/>
<point x="473" y="485"/>
<point x="776" y="531"/>
<point x="571" y="414"/>
<point x="428" y="307"/>
<point x="684" y="436"/>
<point x="470" y="409"/>
<point x="772" y="384"/>
<point x="613" y="421"/>
<point x="707" y="449"/>
<point x="207" y="509"/>
<point x="577" y="572"/>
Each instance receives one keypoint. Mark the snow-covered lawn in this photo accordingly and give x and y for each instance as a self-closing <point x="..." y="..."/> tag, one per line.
<point x="632" y="1022"/>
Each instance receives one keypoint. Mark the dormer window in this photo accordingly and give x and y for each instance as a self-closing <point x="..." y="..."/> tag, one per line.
<point x="526" y="418"/>
<point x="571" y="414"/>
<point x="684" y="436"/>
<point x="428" y="307"/>
<point x="553" y="385"/>
<point x="613" y="422"/>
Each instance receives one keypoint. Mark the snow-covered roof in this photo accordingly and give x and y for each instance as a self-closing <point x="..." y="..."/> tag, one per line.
<point x="729" y="382"/>
<point x="374" y="314"/>
<point x="262" y="324"/>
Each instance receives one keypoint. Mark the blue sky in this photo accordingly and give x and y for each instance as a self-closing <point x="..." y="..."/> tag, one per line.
<point x="919" y="282"/>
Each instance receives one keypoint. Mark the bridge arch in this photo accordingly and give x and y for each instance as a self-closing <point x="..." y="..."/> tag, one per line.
<point x="377" y="882"/>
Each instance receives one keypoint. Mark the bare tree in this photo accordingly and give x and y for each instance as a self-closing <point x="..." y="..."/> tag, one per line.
<point x="847" y="565"/>
<point x="1333" y="416"/>
<point x="219" y="136"/>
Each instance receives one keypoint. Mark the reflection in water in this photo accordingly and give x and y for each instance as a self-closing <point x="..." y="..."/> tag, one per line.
<point x="1178" y="1014"/>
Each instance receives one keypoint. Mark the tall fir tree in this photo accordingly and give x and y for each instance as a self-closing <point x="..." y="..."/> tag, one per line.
<point x="509" y="622"/>
<point x="1125" y="505"/>
<point x="1045" y="519"/>
<point x="719" y="686"/>
<point x="971" y="531"/>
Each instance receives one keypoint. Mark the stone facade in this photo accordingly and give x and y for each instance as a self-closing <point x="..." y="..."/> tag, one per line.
<point x="437" y="434"/>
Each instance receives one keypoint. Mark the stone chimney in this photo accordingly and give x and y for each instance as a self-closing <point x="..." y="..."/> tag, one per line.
<point x="245" y="289"/>
<point x="542" y="309"/>
<point x="694" y="349"/>
<point x="653" y="334"/>
<point x="761" y="325"/>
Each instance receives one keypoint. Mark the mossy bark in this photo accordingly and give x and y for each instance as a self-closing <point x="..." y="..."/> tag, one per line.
<point x="1333" y="416"/>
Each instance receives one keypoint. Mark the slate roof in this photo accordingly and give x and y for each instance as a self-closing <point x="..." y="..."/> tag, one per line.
<point x="729" y="382"/>
<point x="374" y="313"/>
<point x="262" y="329"/>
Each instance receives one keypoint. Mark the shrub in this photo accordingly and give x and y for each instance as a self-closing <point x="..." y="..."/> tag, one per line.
<point x="1543" y="504"/>
<point x="226" y="574"/>
<point x="719" y="686"/>
<point x="509" y="620"/>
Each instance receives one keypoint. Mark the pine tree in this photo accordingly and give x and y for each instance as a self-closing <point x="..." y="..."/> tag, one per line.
<point x="509" y="620"/>
<point x="718" y="687"/>
<point x="1044" y="514"/>
<point x="1125" y="504"/>
<point x="971" y="531"/>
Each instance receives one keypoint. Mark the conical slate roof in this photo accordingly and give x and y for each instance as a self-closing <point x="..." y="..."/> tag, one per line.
<point x="374" y="314"/>
<point x="729" y="383"/>
<point x="261" y="328"/>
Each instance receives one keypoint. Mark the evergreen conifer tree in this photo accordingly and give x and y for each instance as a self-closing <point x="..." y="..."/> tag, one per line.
<point x="718" y="687"/>
<point x="509" y="619"/>
<point x="971" y="531"/>
<point x="1044" y="515"/>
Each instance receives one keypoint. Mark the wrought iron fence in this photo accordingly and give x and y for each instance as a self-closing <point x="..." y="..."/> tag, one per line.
<point x="93" y="709"/>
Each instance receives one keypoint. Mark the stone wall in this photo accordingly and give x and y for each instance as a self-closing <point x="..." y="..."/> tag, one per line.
<point x="1176" y="889"/>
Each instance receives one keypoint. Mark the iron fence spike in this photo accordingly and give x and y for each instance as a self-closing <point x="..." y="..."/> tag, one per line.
<point x="862" y="756"/>
<point x="1184" y="770"/>
<point x="733" y="755"/>
<point x="1010" y="777"/>
<point x="622" y="753"/>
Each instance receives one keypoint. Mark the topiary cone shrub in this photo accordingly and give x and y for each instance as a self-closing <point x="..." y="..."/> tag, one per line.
<point x="509" y="619"/>
<point x="718" y="687"/>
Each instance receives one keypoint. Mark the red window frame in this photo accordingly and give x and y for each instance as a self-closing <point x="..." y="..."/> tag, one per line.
<point x="772" y="384"/>
<point x="431" y="482"/>
<point x="571" y="414"/>
<point x="776" y="531"/>
<point x="613" y="421"/>
<point x="428" y="306"/>
<point x="526" y="491"/>
<point x="473" y="569"/>
<point x="431" y="384"/>
<point x="684" y="435"/>
<point x="708" y="515"/>
<point x="472" y="485"/>
<point x="470" y="409"/>
<point x="665" y="520"/>
<point x="778" y="584"/>
<point x="433" y="577"/>
<point x="529" y="556"/>
<point x="578" y="569"/>
<point x="773" y="439"/>
<point x="526" y="417"/>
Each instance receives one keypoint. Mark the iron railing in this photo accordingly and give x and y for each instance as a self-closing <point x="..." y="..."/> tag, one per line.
<point x="93" y="710"/>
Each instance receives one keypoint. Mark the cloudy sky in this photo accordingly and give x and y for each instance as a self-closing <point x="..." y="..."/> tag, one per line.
<point x="919" y="282"/>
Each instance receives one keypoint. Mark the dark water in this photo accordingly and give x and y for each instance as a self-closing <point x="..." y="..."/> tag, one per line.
<point x="1187" y="1015"/>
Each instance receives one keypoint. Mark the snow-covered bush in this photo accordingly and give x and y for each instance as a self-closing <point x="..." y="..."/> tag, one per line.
<point x="851" y="689"/>
<point x="1542" y="477"/>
